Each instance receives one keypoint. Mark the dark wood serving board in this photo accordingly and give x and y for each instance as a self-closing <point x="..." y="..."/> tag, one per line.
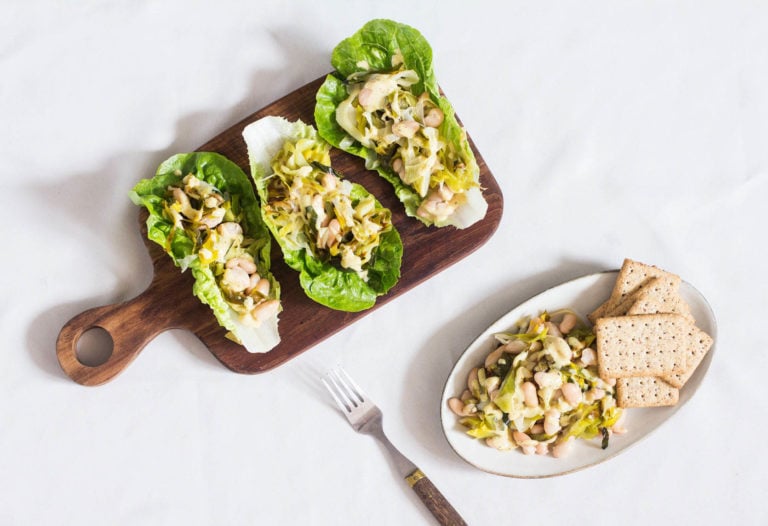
<point x="168" y="302"/>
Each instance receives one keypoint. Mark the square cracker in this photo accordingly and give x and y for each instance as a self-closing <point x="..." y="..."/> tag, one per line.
<point x="642" y="345"/>
<point x="632" y="277"/>
<point x="599" y="312"/>
<point x="658" y="295"/>
<point x="633" y="274"/>
<point x="645" y="391"/>
<point x="700" y="343"/>
<point x="654" y="296"/>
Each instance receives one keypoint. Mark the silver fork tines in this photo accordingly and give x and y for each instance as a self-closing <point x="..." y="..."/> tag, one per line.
<point x="346" y="393"/>
<point x="351" y="399"/>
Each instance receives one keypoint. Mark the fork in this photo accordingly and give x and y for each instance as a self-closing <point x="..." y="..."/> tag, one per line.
<point x="365" y="417"/>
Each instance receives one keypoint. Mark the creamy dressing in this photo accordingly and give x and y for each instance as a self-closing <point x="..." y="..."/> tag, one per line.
<point x="383" y="114"/>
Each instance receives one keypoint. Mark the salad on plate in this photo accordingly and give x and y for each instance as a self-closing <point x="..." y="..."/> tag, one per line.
<point x="539" y="389"/>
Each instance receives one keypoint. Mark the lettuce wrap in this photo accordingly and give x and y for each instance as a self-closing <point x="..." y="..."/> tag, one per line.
<point x="383" y="103"/>
<point x="338" y="237"/>
<point x="204" y="213"/>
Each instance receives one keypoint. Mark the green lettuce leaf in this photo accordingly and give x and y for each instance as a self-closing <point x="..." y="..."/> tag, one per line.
<point x="229" y="179"/>
<point x="372" y="50"/>
<point x="322" y="281"/>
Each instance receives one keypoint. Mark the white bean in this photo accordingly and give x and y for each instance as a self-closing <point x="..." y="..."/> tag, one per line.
<point x="521" y="439"/>
<point x="500" y="442"/>
<point x="445" y="193"/>
<point x="334" y="229"/>
<point x="229" y="229"/>
<point x="457" y="406"/>
<point x="262" y="287"/>
<point x="572" y="393"/>
<point x="529" y="392"/>
<point x="405" y="128"/>
<point x="494" y="356"/>
<point x="212" y="219"/>
<point x="551" y="421"/>
<point x="329" y="181"/>
<point x="594" y="394"/>
<point x="514" y="347"/>
<point x="473" y="383"/>
<point x="265" y="310"/>
<point x="213" y="201"/>
<point x="236" y="279"/>
<point x="588" y="356"/>
<point x="568" y="323"/>
<point x="552" y="329"/>
<point x="244" y="263"/>
<point x="397" y="166"/>
<point x="253" y="281"/>
<point x="618" y="427"/>
<point x="365" y="97"/>
<point x="561" y="449"/>
<point x="434" y="117"/>
<point x="431" y="204"/>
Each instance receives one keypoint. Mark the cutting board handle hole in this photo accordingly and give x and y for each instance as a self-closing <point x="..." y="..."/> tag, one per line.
<point x="94" y="347"/>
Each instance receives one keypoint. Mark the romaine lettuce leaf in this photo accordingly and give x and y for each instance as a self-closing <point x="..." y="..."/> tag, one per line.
<point x="321" y="279"/>
<point x="376" y="48"/>
<point x="229" y="179"/>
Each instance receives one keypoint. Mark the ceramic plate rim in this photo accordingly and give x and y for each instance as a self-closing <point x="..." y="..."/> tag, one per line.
<point x="595" y="283"/>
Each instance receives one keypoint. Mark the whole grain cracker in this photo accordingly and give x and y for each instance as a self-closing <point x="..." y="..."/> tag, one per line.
<point x="699" y="344"/>
<point x="685" y="309"/>
<point x="657" y="296"/>
<point x="642" y="345"/>
<point x="645" y="391"/>
<point x="632" y="276"/>
<point x="653" y="296"/>
<point x="599" y="312"/>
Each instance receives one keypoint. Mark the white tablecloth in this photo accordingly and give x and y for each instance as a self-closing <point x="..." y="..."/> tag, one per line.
<point x="631" y="129"/>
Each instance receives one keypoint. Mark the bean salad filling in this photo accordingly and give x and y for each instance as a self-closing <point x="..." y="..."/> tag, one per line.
<point x="539" y="389"/>
<point x="212" y="220"/>
<point x="384" y="114"/>
<point x="314" y="209"/>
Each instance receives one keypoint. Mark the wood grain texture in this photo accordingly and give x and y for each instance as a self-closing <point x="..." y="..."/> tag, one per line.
<point x="437" y="504"/>
<point x="168" y="302"/>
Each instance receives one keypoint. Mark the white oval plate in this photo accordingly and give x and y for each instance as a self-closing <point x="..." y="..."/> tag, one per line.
<point x="582" y="295"/>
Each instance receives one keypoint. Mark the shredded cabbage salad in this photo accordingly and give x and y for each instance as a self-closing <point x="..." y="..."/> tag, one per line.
<point x="384" y="115"/>
<point x="202" y="210"/>
<point x="312" y="208"/>
<point x="333" y="232"/>
<point x="539" y="389"/>
<point x="383" y="104"/>
<point x="206" y="215"/>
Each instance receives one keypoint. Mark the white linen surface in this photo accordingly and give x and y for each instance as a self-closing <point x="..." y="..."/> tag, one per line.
<point x="615" y="129"/>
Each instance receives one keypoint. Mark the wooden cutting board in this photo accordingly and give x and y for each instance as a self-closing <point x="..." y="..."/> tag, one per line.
<point x="168" y="302"/>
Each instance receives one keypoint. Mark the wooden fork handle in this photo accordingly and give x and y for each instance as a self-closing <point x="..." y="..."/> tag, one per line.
<point x="435" y="502"/>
